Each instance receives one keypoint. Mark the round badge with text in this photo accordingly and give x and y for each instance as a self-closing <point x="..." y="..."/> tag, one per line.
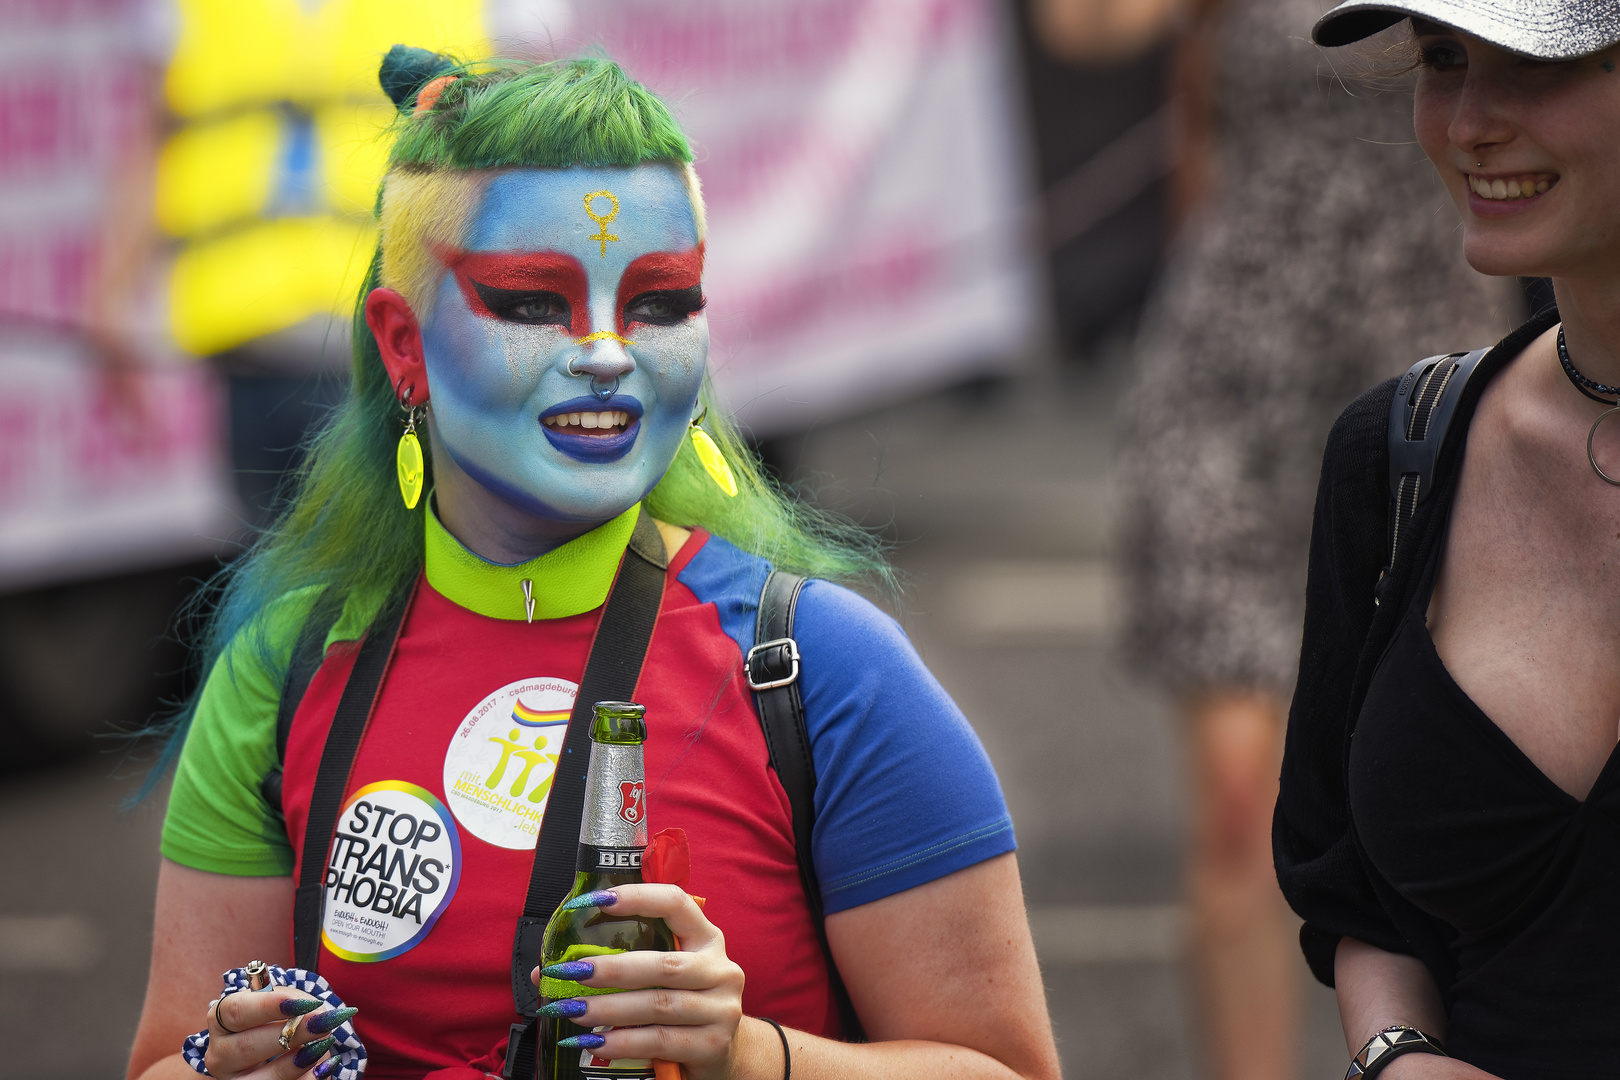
<point x="501" y="760"/>
<point x="393" y="867"/>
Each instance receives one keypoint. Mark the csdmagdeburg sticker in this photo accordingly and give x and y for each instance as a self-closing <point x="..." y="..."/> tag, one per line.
<point x="394" y="865"/>
<point x="500" y="762"/>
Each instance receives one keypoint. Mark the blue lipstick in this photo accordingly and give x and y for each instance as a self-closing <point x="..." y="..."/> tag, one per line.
<point x="593" y="448"/>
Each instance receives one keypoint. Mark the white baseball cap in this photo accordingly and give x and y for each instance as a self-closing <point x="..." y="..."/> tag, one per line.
<point x="1544" y="29"/>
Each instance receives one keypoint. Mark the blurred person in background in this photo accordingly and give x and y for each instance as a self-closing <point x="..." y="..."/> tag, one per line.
<point x="1314" y="255"/>
<point x="162" y="159"/>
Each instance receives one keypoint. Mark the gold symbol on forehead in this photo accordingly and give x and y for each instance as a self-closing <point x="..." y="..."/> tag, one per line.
<point x="602" y="219"/>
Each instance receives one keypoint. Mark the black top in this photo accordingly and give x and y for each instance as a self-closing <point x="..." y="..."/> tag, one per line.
<point x="1462" y="824"/>
<point x="1429" y="832"/>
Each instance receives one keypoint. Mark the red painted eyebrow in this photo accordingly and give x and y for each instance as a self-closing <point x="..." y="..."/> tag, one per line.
<point x="657" y="271"/>
<point x="540" y="271"/>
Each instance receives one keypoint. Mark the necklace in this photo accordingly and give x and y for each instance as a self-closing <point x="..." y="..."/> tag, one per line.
<point x="1591" y="388"/>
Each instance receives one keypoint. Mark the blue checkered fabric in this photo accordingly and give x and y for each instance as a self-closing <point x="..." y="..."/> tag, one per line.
<point x="349" y="1051"/>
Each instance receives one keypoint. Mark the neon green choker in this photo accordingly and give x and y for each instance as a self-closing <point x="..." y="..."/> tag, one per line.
<point x="566" y="581"/>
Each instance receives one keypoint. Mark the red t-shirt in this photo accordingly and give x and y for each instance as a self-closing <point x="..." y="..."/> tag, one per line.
<point x="436" y="836"/>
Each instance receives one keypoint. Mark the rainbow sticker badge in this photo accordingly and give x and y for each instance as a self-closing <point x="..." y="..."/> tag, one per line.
<point x="500" y="762"/>
<point x="392" y="870"/>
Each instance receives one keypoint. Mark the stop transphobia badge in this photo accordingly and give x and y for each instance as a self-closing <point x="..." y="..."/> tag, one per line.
<point x="392" y="870"/>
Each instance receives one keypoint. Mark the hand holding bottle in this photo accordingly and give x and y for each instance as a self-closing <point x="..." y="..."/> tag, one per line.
<point x="682" y="1006"/>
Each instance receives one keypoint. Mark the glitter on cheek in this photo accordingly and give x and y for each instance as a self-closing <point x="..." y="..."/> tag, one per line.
<point x="525" y="349"/>
<point x="496" y="341"/>
<point x="675" y="351"/>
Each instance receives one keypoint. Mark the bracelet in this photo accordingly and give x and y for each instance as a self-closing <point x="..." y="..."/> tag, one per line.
<point x="1388" y="1045"/>
<point x="787" y="1055"/>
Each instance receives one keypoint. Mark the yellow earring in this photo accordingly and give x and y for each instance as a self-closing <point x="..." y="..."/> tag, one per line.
<point x="714" y="462"/>
<point x="408" y="458"/>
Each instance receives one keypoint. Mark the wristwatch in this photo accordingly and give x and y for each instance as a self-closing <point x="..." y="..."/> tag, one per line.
<point x="1388" y="1045"/>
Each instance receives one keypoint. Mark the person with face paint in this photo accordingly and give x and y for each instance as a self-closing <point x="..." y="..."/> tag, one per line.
<point x="1449" y="797"/>
<point x="529" y="418"/>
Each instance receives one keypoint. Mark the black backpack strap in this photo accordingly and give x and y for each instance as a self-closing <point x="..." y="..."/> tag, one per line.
<point x="772" y="668"/>
<point x="308" y="653"/>
<point x="611" y="673"/>
<point x="1419" y="416"/>
<point x="332" y="777"/>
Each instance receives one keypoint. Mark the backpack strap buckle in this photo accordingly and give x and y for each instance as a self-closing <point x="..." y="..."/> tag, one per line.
<point x="772" y="664"/>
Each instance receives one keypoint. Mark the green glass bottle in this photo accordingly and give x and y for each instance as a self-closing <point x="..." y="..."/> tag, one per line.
<point x="612" y="839"/>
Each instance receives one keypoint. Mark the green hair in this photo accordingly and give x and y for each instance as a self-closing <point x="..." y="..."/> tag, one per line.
<point x="344" y="532"/>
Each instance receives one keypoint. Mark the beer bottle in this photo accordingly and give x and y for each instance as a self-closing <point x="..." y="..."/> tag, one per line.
<point x="612" y="838"/>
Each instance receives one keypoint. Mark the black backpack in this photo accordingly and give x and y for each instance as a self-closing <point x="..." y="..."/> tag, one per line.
<point x="1419" y="416"/>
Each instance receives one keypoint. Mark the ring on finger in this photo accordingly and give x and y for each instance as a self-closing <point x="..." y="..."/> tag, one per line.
<point x="215" y="1017"/>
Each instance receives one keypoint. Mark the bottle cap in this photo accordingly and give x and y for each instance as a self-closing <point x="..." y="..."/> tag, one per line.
<point x="619" y="722"/>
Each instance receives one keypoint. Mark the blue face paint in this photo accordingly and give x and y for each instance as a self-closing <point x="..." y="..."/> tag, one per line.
<point x="543" y="288"/>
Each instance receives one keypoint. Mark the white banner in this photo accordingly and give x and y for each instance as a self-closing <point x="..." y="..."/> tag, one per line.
<point x="101" y="473"/>
<point x="864" y="166"/>
<point x="102" y="468"/>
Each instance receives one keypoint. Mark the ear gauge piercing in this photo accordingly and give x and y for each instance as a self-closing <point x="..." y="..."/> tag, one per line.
<point x="408" y="458"/>
<point x="714" y="462"/>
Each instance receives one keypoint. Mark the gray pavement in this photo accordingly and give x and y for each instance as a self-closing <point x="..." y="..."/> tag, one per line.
<point x="1001" y="498"/>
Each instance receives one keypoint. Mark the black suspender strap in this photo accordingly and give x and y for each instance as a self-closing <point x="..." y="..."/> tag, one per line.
<point x="1419" y="416"/>
<point x="773" y="673"/>
<point x="611" y="673"/>
<point x="332" y="777"/>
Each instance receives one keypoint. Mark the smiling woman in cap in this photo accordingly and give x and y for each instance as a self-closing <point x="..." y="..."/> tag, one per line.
<point x="1456" y="860"/>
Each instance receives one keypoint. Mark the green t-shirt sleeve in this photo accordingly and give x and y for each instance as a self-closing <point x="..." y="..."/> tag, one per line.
<point x="218" y="819"/>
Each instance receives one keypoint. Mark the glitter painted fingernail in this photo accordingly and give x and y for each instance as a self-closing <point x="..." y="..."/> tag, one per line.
<point x="600" y="898"/>
<point x="569" y="1007"/>
<point x="570" y="970"/>
<point x="299" y="1006"/>
<point x="586" y="1041"/>
<point x="326" y="1068"/>
<point x="320" y="1025"/>
<point x="310" y="1053"/>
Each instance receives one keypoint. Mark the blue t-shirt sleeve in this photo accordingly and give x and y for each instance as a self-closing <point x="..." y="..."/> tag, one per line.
<point x="905" y="793"/>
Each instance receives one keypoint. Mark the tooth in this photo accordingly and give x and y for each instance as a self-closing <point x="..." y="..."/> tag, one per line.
<point x="624" y="419"/>
<point x="1542" y="186"/>
<point x="1513" y="189"/>
<point x="1473" y="185"/>
<point x="1498" y="189"/>
<point x="587" y="420"/>
<point x="573" y="419"/>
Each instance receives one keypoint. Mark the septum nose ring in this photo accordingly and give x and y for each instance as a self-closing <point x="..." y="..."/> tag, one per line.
<point x="602" y="390"/>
